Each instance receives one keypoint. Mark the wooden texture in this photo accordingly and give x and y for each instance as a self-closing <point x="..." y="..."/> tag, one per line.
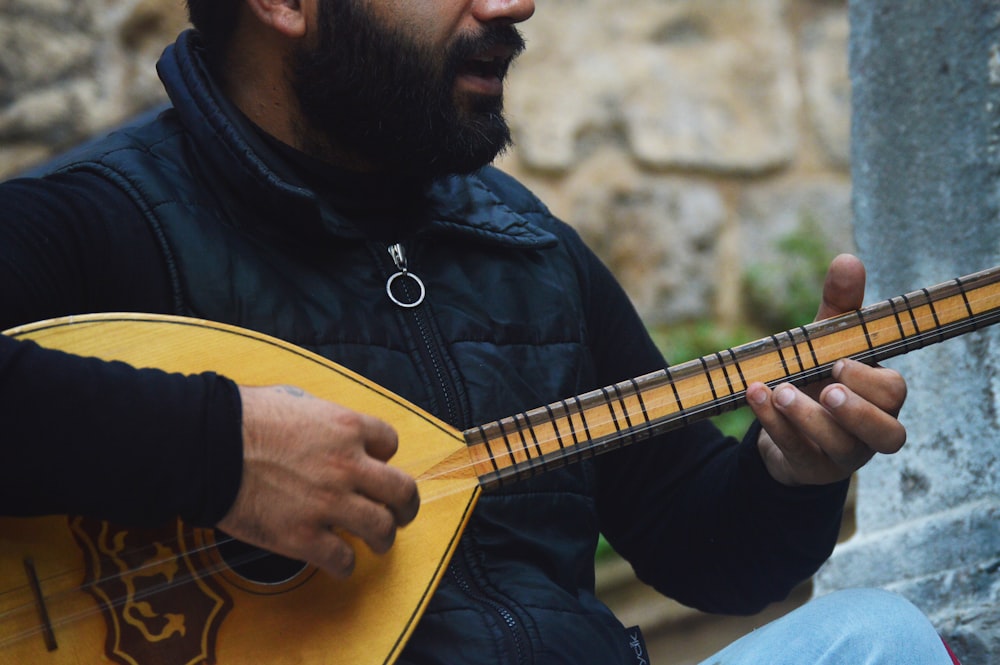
<point x="310" y="619"/>
<point x="523" y="444"/>
<point x="107" y="592"/>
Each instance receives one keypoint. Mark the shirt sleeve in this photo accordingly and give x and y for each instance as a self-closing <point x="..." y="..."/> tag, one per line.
<point x="695" y="512"/>
<point x="86" y="436"/>
<point x="74" y="243"/>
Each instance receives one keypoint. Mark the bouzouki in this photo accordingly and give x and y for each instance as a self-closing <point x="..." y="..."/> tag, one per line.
<point x="80" y="591"/>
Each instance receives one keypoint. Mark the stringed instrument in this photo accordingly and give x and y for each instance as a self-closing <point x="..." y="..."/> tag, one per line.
<point x="79" y="591"/>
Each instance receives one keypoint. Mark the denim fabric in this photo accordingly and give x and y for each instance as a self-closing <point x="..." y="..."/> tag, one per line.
<point x="854" y="627"/>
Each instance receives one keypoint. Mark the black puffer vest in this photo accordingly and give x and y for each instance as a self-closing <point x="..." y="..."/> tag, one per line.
<point x="500" y="331"/>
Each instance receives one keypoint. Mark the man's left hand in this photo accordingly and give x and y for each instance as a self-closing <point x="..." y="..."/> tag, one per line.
<point x="825" y="432"/>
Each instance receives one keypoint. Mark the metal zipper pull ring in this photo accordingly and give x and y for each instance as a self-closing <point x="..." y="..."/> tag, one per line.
<point x="399" y="258"/>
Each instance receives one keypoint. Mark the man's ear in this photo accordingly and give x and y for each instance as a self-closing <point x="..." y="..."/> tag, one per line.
<point x="288" y="17"/>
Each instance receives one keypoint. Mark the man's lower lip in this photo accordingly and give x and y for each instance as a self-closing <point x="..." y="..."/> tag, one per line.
<point x="483" y="85"/>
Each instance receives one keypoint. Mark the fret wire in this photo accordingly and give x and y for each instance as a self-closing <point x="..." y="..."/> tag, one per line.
<point x="580" y="446"/>
<point x="652" y="422"/>
<point x="677" y="395"/>
<point x="708" y="375"/>
<point x="864" y="328"/>
<point x="583" y="417"/>
<point x="809" y="345"/>
<point x="913" y="315"/>
<point x="524" y="441"/>
<point x="739" y="370"/>
<point x="534" y="435"/>
<point x="628" y="418"/>
<point x="569" y="419"/>
<point x="795" y="350"/>
<point x="930" y="303"/>
<point x="642" y="403"/>
<point x="621" y="400"/>
<point x="555" y="427"/>
<point x="781" y="355"/>
<point x="899" y="321"/>
<point x="725" y="372"/>
<point x="489" y="449"/>
<point x="700" y="410"/>
<point x="609" y="403"/>
<point x="506" y="441"/>
<point x="965" y="296"/>
<point x="520" y="435"/>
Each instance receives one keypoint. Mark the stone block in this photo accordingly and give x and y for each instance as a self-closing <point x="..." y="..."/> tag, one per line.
<point x="770" y="212"/>
<point x="827" y="84"/>
<point x="705" y="85"/>
<point x="658" y="235"/>
<point x="57" y="115"/>
<point x="951" y="457"/>
<point x="38" y="53"/>
<point x="69" y="70"/>
<point x="947" y="564"/>
<point x="787" y="232"/>
<point x="952" y="540"/>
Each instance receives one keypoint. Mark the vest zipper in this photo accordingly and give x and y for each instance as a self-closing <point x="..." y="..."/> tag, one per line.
<point x="411" y="290"/>
<point x="407" y="291"/>
<point x="516" y="640"/>
<point x="404" y="280"/>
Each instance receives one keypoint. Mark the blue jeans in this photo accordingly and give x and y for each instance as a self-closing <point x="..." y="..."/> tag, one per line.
<point x="856" y="627"/>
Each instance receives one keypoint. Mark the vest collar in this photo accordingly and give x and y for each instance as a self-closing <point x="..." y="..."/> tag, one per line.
<point x="229" y="147"/>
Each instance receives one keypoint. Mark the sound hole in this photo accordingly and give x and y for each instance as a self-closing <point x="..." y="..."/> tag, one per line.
<point x="254" y="564"/>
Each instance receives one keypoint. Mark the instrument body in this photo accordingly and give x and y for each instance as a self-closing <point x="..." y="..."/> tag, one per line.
<point x="165" y="595"/>
<point x="74" y="591"/>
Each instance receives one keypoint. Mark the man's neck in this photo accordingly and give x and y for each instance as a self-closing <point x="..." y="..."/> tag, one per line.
<point x="249" y="79"/>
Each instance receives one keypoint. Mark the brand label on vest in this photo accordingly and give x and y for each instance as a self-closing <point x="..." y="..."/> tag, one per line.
<point x="637" y="645"/>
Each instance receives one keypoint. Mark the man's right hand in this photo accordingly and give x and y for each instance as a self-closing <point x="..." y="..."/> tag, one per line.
<point x="312" y="470"/>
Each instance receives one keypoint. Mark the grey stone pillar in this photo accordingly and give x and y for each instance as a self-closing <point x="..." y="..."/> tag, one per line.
<point x="926" y="178"/>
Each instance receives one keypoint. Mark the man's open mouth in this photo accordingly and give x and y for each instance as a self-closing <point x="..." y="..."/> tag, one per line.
<point x="486" y="66"/>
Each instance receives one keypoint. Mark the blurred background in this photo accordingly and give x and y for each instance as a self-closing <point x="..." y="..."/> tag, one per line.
<point x="701" y="147"/>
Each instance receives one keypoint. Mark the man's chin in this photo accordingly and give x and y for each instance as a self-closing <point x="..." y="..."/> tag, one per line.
<point x="473" y="158"/>
<point x="433" y="170"/>
<point x="474" y="138"/>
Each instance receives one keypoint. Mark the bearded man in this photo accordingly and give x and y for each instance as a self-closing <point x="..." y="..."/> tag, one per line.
<point x="322" y="175"/>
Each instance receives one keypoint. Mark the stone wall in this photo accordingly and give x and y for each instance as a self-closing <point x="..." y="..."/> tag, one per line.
<point x="683" y="138"/>
<point x="926" y="77"/>
<point x="69" y="69"/>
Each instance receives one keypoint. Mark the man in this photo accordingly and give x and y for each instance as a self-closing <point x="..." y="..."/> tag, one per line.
<point x="321" y="177"/>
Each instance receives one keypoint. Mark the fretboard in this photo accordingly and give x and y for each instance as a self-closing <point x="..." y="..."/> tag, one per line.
<point x="578" y="427"/>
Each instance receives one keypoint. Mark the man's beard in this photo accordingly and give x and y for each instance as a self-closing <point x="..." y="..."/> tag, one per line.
<point x="371" y="95"/>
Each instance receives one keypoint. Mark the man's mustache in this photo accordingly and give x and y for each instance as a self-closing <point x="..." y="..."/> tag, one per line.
<point x="491" y="36"/>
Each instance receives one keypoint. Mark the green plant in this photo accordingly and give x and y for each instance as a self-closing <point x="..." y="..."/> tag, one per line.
<point x="784" y="293"/>
<point x="778" y="296"/>
<point x="696" y="339"/>
<point x="689" y="341"/>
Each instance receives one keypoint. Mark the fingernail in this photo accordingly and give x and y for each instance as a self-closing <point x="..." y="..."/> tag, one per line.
<point x="757" y="395"/>
<point x="785" y="395"/>
<point x="838" y="367"/>
<point x="835" y="397"/>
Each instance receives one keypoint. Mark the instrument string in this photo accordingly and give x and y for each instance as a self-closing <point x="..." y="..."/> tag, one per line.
<point x="196" y="567"/>
<point x="518" y="459"/>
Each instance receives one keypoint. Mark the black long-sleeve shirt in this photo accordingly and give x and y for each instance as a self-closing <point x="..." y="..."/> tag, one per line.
<point x="91" y="437"/>
<point x="138" y="447"/>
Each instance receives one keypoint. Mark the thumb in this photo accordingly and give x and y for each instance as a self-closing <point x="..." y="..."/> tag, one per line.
<point x="843" y="288"/>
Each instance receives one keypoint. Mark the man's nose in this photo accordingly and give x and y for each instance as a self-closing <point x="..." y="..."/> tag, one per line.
<point x="504" y="11"/>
